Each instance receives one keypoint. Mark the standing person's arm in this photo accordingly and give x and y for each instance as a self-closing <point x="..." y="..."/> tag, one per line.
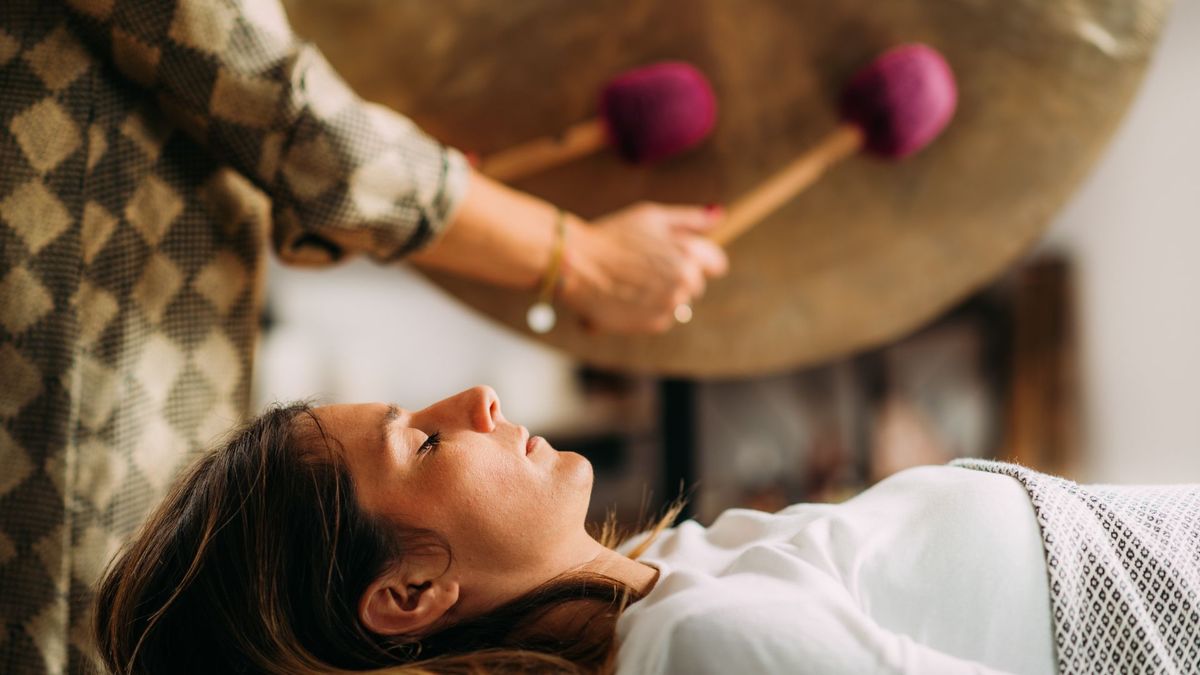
<point x="625" y="272"/>
<point x="347" y="176"/>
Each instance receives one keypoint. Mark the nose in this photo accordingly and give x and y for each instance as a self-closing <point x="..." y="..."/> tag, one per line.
<point x="483" y="406"/>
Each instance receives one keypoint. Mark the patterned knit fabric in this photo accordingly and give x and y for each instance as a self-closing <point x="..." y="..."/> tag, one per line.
<point x="138" y="142"/>
<point x="1124" y="568"/>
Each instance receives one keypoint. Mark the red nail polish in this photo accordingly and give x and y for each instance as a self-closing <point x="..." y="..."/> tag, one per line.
<point x="473" y="158"/>
<point x="714" y="209"/>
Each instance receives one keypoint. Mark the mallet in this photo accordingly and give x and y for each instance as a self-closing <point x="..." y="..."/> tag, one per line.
<point x="893" y="107"/>
<point x="646" y="114"/>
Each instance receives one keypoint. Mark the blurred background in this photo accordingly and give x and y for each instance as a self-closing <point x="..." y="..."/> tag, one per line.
<point x="1081" y="360"/>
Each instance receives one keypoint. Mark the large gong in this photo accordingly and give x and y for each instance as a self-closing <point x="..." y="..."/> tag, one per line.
<point x="867" y="254"/>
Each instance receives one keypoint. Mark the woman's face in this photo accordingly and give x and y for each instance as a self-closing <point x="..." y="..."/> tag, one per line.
<point x="511" y="512"/>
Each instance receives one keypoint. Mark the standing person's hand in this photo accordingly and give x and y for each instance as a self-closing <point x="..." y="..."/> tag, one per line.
<point x="628" y="271"/>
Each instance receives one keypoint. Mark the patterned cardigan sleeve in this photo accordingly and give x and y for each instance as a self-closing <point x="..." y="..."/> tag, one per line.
<point x="345" y="175"/>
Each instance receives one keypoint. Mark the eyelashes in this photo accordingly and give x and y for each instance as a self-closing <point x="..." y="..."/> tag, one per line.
<point x="431" y="443"/>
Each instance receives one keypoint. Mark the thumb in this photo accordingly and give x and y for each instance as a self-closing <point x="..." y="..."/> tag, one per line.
<point x="698" y="219"/>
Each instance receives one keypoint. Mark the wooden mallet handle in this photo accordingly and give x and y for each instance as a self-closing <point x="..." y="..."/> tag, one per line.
<point x="543" y="153"/>
<point x="760" y="202"/>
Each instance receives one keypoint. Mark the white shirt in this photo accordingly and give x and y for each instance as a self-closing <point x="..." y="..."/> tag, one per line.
<point x="936" y="569"/>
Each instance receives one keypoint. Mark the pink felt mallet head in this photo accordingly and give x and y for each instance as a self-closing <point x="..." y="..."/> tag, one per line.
<point x="893" y="107"/>
<point x="659" y="110"/>
<point x="902" y="100"/>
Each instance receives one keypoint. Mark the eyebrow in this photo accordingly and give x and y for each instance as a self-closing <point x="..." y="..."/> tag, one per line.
<point x="389" y="418"/>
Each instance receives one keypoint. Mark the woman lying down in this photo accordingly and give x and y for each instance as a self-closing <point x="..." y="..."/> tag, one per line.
<point x="352" y="537"/>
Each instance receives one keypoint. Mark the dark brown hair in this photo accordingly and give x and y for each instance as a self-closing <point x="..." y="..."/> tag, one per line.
<point x="255" y="561"/>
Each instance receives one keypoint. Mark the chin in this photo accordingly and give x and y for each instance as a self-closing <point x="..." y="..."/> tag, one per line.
<point x="578" y="467"/>
<point x="575" y="475"/>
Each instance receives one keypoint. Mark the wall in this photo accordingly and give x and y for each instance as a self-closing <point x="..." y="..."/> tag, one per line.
<point x="1134" y="232"/>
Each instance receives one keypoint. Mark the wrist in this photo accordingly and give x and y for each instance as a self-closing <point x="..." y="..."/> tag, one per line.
<point x="541" y="316"/>
<point x="577" y="270"/>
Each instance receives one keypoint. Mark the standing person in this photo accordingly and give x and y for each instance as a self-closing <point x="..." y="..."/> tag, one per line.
<point x="137" y="140"/>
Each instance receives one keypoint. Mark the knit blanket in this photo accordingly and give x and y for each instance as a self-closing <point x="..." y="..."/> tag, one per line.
<point x="1124" y="571"/>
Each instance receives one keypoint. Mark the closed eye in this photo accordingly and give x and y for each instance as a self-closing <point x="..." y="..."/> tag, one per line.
<point x="431" y="443"/>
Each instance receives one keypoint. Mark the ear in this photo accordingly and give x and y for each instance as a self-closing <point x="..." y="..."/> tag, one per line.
<point x="403" y="603"/>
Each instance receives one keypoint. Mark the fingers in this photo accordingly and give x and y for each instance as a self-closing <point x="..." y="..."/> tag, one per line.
<point x="707" y="254"/>
<point x="702" y="259"/>
<point x="691" y="284"/>
<point x="693" y="222"/>
<point x="661" y="252"/>
<point x="694" y="219"/>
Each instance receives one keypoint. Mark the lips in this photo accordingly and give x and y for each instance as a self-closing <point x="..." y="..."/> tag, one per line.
<point x="531" y="444"/>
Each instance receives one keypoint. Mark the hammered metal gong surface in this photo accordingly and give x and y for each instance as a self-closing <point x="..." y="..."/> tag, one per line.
<point x="870" y="252"/>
